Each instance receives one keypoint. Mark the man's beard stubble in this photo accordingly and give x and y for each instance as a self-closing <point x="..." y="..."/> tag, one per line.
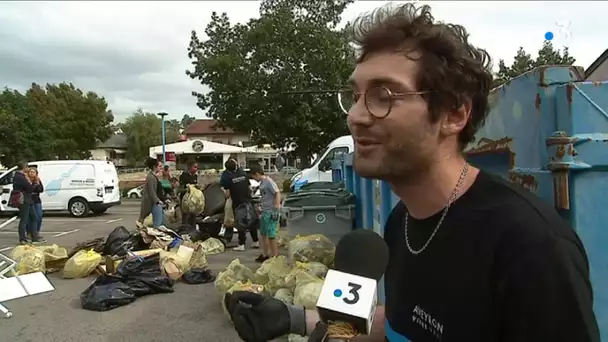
<point x="396" y="165"/>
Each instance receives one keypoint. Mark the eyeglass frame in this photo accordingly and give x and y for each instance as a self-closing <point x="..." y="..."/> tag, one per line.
<point x="393" y="96"/>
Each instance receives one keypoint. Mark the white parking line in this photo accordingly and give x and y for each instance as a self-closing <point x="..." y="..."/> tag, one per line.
<point x="13" y="232"/>
<point x="64" y="220"/>
<point x="112" y="221"/>
<point x="66" y="233"/>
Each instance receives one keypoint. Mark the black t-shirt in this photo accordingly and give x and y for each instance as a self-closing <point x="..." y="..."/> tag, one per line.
<point x="503" y="266"/>
<point x="187" y="178"/>
<point x="238" y="184"/>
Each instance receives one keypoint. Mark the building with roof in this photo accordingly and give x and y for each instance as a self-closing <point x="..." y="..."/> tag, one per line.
<point x="213" y="155"/>
<point x="208" y="130"/>
<point x="114" y="149"/>
<point x="598" y="70"/>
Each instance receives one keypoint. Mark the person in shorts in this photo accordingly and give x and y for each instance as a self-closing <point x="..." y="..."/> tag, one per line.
<point x="270" y="204"/>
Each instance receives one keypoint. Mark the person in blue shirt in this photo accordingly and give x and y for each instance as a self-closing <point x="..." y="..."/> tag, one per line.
<point x="471" y="257"/>
<point x="23" y="190"/>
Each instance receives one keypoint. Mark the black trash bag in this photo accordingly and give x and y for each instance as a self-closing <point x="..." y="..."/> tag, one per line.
<point x="146" y="266"/>
<point x="187" y="232"/>
<point x="215" y="199"/>
<point x="144" y="276"/>
<point x="198" y="276"/>
<point x="245" y="216"/>
<point x="147" y="285"/>
<point x="135" y="243"/>
<point x="115" y="241"/>
<point x="106" y="293"/>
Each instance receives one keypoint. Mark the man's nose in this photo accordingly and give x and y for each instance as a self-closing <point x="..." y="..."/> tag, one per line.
<point x="358" y="115"/>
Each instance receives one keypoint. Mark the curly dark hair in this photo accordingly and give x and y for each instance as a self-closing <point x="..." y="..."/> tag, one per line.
<point x="151" y="163"/>
<point x="451" y="69"/>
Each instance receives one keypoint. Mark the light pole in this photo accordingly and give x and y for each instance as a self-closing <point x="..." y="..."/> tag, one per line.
<point x="162" y="123"/>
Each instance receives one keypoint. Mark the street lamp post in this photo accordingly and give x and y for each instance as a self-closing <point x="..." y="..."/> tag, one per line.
<point x="162" y="118"/>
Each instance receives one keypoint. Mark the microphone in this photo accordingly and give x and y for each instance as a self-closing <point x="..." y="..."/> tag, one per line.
<point x="349" y="294"/>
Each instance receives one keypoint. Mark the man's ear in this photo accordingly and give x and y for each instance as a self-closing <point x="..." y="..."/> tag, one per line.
<point x="455" y="121"/>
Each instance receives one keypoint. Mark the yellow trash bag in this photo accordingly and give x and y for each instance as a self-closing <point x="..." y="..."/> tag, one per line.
<point x="240" y="286"/>
<point x="212" y="246"/>
<point x="53" y="252"/>
<point x="173" y="265"/>
<point x="199" y="259"/>
<point x="193" y="201"/>
<point x="272" y="273"/>
<point x="81" y="264"/>
<point x="307" y="293"/>
<point x="233" y="273"/>
<point x="302" y="271"/>
<point x="311" y="248"/>
<point x="29" y="259"/>
<point x="229" y="214"/>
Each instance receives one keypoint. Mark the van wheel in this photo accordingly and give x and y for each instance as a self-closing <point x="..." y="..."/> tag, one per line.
<point x="78" y="207"/>
<point x="133" y="196"/>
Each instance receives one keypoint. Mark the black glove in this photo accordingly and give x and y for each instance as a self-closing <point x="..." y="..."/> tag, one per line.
<point x="257" y="318"/>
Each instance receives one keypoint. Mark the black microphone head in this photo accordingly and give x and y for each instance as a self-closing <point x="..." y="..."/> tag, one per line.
<point x="362" y="252"/>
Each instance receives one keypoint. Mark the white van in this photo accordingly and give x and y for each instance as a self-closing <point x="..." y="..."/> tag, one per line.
<point x="78" y="186"/>
<point x="320" y="171"/>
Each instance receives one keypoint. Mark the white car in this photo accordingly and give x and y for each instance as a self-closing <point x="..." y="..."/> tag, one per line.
<point x="135" y="192"/>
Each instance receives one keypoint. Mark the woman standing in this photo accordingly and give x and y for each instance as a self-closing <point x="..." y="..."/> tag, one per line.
<point x="153" y="195"/>
<point x="37" y="203"/>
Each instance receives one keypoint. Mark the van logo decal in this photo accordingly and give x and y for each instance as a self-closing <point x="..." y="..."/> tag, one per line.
<point x="320" y="218"/>
<point x="53" y="187"/>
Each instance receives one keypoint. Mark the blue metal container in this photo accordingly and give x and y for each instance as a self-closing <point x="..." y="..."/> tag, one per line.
<point x="547" y="131"/>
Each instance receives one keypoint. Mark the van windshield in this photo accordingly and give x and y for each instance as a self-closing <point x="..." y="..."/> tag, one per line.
<point x="319" y="157"/>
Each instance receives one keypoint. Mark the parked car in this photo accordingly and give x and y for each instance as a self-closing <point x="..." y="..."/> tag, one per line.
<point x="135" y="192"/>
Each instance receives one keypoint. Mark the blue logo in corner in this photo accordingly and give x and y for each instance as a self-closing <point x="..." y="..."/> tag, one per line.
<point x="53" y="187"/>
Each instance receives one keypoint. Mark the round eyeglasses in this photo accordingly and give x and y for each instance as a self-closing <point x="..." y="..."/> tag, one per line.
<point x="378" y="100"/>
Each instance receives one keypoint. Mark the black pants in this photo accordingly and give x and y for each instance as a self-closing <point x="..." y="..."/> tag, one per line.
<point x="27" y="222"/>
<point x="242" y="233"/>
<point x="189" y="219"/>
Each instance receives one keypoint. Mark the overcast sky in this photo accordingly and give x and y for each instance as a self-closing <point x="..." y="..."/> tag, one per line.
<point x="134" y="53"/>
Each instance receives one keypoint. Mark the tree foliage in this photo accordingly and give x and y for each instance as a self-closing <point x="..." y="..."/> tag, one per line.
<point x="251" y="68"/>
<point x="523" y="62"/>
<point x="186" y="121"/>
<point x="57" y="121"/>
<point x="144" y="130"/>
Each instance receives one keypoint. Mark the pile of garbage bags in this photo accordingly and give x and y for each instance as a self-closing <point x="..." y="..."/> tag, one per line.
<point x="135" y="277"/>
<point x="296" y="279"/>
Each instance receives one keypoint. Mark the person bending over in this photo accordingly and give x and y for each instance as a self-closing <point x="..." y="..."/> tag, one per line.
<point x="472" y="257"/>
<point x="270" y="204"/>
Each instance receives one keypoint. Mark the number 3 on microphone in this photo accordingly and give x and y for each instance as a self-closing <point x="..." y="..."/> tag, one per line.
<point x="354" y="291"/>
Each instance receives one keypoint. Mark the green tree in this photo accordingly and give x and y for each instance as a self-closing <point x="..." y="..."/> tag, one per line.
<point x="523" y="62"/>
<point x="252" y="68"/>
<point x="77" y="121"/>
<point x="143" y="130"/>
<point x="24" y="133"/>
<point x="186" y="121"/>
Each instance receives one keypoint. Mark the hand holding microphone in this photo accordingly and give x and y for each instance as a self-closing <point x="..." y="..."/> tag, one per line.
<point x="258" y="318"/>
<point x="347" y="299"/>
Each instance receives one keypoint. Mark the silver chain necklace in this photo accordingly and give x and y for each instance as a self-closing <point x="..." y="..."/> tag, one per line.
<point x="463" y="176"/>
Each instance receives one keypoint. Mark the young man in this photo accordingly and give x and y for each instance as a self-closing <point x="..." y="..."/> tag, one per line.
<point x="270" y="204"/>
<point x="236" y="186"/>
<point x="472" y="258"/>
<point x="23" y="187"/>
<point x="189" y="176"/>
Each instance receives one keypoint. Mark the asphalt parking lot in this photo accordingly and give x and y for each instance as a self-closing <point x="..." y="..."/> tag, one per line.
<point x="191" y="313"/>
